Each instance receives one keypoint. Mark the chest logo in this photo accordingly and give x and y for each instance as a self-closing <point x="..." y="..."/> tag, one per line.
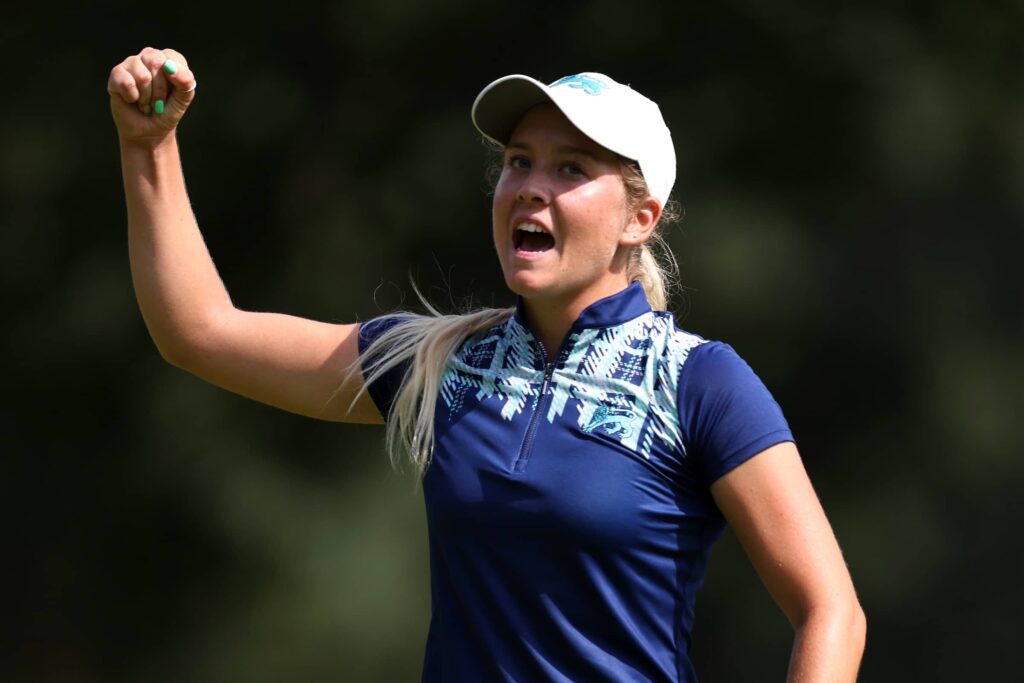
<point x="613" y="421"/>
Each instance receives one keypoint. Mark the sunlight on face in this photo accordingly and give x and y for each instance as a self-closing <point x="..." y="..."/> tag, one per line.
<point x="560" y="209"/>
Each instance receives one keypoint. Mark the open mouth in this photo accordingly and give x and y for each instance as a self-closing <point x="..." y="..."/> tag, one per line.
<point x="530" y="237"/>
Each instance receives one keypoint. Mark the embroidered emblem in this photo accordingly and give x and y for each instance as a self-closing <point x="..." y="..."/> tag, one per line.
<point x="584" y="82"/>
<point x="614" y="421"/>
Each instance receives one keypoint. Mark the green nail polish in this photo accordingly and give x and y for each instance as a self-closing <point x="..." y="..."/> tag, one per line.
<point x="171" y="67"/>
<point x="158" y="106"/>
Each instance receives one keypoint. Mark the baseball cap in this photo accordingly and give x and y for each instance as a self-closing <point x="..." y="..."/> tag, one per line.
<point x="611" y="114"/>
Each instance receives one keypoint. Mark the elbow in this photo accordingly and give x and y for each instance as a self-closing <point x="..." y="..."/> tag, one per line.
<point x="186" y="345"/>
<point x="174" y="353"/>
<point x="849" y="624"/>
<point x="830" y="642"/>
<point x="838" y="626"/>
<point x="849" y="627"/>
<point x="853" y="640"/>
<point x="858" y="627"/>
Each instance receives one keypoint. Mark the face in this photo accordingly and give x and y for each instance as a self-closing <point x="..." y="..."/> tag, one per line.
<point x="562" y="223"/>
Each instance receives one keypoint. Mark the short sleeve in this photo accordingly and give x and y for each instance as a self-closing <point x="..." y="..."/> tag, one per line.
<point x="727" y="414"/>
<point x="384" y="390"/>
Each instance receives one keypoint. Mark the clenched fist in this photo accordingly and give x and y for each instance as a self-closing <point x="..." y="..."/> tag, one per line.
<point x="149" y="93"/>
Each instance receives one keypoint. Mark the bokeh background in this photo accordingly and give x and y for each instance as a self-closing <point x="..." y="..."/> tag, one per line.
<point x="853" y="178"/>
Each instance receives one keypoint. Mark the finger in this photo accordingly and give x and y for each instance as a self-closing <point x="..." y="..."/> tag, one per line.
<point x="177" y="71"/>
<point x="154" y="60"/>
<point x="121" y="84"/>
<point x="182" y="80"/>
<point x="175" y="56"/>
<point x="160" y="90"/>
<point x="143" y="81"/>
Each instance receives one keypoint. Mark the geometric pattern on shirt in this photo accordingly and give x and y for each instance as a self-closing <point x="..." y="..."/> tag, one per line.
<point x="620" y="380"/>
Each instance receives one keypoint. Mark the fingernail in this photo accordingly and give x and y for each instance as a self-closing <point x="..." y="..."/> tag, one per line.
<point x="146" y="110"/>
<point x="171" y="67"/>
<point x="158" y="106"/>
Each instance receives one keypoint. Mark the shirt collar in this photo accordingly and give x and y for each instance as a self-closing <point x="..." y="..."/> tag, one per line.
<point x="612" y="310"/>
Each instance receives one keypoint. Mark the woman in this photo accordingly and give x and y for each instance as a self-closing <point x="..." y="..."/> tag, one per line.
<point x="580" y="454"/>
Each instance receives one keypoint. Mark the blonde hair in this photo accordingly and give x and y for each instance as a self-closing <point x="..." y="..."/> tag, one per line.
<point x="425" y="343"/>
<point x="652" y="264"/>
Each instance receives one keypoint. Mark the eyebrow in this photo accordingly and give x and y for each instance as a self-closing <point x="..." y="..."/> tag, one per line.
<point x="561" y="149"/>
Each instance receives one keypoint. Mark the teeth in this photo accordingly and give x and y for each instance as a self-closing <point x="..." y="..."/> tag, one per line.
<point x="529" y="227"/>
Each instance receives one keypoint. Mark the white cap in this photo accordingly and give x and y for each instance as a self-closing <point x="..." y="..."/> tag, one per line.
<point x="611" y="114"/>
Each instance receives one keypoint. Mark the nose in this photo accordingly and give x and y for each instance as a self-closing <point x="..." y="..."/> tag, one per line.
<point x="533" y="189"/>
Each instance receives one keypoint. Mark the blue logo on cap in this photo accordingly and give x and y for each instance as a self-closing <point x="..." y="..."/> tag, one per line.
<point x="585" y="82"/>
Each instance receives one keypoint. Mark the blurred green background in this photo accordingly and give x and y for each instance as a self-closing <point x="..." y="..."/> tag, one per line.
<point x="853" y="178"/>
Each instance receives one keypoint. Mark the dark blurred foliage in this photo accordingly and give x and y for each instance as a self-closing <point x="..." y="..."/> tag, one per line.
<point x="853" y="177"/>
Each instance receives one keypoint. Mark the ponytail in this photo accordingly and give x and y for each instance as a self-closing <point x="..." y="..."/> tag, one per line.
<point x="652" y="263"/>
<point x="424" y="343"/>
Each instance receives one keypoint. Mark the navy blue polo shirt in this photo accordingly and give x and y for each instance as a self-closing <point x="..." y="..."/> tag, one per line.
<point x="568" y="503"/>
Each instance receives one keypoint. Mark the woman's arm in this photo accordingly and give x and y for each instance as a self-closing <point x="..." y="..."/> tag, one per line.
<point x="288" y="362"/>
<point x="771" y="506"/>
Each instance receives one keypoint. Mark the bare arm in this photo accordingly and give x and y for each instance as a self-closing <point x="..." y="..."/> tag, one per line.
<point x="771" y="506"/>
<point x="292" y="363"/>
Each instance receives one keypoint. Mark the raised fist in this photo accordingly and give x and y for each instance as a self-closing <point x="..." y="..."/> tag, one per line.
<point x="149" y="94"/>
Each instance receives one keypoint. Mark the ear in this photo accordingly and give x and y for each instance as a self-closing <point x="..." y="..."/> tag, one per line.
<point x="641" y="223"/>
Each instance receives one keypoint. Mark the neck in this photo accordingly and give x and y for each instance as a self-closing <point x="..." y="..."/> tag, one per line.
<point x="549" y="323"/>
<point x="551" y="318"/>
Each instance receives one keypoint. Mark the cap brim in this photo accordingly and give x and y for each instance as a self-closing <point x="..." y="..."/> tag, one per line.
<point x="501" y="104"/>
<point x="626" y="123"/>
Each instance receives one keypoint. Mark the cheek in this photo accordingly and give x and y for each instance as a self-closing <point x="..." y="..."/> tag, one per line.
<point x="604" y="206"/>
<point x="603" y="226"/>
<point x="501" y="202"/>
<point x="503" y="188"/>
<point x="500" y="207"/>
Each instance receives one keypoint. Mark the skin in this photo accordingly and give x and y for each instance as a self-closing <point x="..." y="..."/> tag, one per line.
<point x="557" y="178"/>
<point x="553" y="176"/>
<point x="771" y="506"/>
<point x="281" y="360"/>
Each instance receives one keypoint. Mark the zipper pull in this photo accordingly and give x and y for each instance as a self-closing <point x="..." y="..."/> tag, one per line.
<point x="549" y="370"/>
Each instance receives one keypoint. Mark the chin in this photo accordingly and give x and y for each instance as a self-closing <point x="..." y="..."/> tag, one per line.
<point x="528" y="285"/>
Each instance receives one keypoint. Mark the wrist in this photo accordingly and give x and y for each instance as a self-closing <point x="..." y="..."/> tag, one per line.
<point x="151" y="164"/>
<point x="149" y="146"/>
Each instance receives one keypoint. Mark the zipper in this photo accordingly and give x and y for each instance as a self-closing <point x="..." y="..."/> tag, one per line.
<point x="541" y="406"/>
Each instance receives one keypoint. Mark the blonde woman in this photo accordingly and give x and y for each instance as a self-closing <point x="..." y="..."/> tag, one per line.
<point x="579" y="453"/>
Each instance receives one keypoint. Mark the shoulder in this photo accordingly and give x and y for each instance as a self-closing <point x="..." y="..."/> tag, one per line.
<point x="726" y="411"/>
<point x="373" y="329"/>
<point x="713" y="370"/>
<point x="697" y="358"/>
<point x="714" y="363"/>
<point x="673" y="346"/>
<point x="481" y="344"/>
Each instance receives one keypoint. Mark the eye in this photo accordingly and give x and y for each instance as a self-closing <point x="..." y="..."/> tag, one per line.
<point x="572" y="168"/>
<point x="517" y="161"/>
